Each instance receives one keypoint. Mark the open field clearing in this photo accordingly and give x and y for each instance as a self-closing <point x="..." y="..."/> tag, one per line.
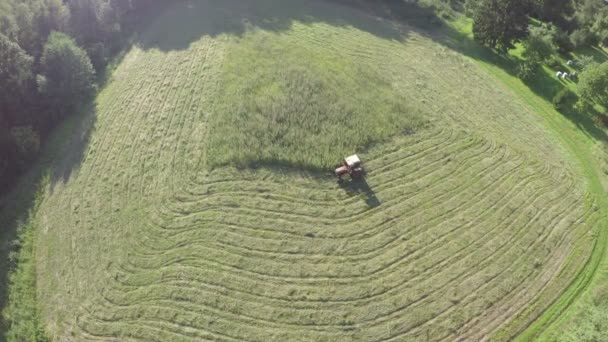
<point x="198" y="205"/>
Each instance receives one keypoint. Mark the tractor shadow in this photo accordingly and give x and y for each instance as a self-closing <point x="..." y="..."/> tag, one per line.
<point x="360" y="187"/>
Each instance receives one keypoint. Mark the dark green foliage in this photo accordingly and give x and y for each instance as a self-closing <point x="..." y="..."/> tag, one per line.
<point x="500" y="23"/>
<point x="15" y="73"/>
<point x="26" y="141"/>
<point x="583" y="61"/>
<point x="591" y="18"/>
<point x="540" y="44"/>
<point x="600" y="26"/>
<point x="527" y="70"/>
<point x="564" y="99"/>
<point x="557" y="12"/>
<point x="583" y="37"/>
<point x="562" y="41"/>
<point x="593" y="84"/>
<point x="15" y="79"/>
<point x="99" y="28"/>
<point x="68" y="72"/>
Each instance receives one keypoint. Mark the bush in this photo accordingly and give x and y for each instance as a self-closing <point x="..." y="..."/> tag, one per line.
<point x="593" y="84"/>
<point x="68" y="72"/>
<point x="555" y="63"/>
<point x="583" y="37"/>
<point x="527" y="70"/>
<point x="562" y="41"/>
<point x="27" y="142"/>
<point x="564" y="98"/>
<point x="583" y="61"/>
<point x="540" y="45"/>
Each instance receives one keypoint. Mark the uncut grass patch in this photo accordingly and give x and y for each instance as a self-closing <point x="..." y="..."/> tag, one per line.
<point x="281" y="104"/>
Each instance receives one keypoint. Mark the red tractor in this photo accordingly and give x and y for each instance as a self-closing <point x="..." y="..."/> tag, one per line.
<point x="352" y="166"/>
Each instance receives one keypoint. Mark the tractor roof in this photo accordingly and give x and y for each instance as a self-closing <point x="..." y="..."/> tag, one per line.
<point x="352" y="160"/>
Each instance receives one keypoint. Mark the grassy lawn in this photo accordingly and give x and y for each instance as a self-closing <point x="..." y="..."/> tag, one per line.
<point x="281" y="104"/>
<point x="197" y="204"/>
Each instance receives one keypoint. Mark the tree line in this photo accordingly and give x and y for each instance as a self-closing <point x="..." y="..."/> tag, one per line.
<point x="573" y="23"/>
<point x="51" y="52"/>
<point x="562" y="27"/>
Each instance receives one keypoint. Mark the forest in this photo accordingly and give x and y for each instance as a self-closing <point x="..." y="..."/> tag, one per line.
<point x="53" y="55"/>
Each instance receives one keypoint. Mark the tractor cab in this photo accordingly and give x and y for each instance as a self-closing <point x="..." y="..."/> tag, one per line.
<point x="352" y="166"/>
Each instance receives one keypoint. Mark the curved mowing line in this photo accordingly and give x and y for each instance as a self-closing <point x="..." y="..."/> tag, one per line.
<point x="387" y="245"/>
<point x="190" y="237"/>
<point x="315" y="277"/>
<point x="473" y="242"/>
<point x="343" y="202"/>
<point x="488" y="282"/>
<point x="470" y="223"/>
<point x="310" y="218"/>
<point x="495" y="321"/>
<point x="526" y="285"/>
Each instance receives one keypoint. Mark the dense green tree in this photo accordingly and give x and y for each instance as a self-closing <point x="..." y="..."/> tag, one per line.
<point x="557" y="12"/>
<point x="15" y="73"/>
<point x="583" y="61"/>
<point x="593" y="84"/>
<point x="500" y="23"/>
<point x="27" y="143"/>
<point x="68" y="73"/>
<point x="540" y="44"/>
<point x="600" y="26"/>
<point x="591" y="18"/>
<point x="99" y="27"/>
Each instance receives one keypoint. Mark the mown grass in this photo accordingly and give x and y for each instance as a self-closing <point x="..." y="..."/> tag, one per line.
<point x="22" y="312"/>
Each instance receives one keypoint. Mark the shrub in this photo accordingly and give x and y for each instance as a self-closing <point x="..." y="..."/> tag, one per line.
<point x="539" y="44"/>
<point x="564" y="98"/>
<point x="593" y="84"/>
<point x="562" y="41"/>
<point x="68" y="72"/>
<point x="27" y="141"/>
<point x="583" y="61"/>
<point x="583" y="37"/>
<point x="527" y="70"/>
<point x="555" y="63"/>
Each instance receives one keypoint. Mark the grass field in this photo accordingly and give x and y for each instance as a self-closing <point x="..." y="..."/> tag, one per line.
<point x="198" y="204"/>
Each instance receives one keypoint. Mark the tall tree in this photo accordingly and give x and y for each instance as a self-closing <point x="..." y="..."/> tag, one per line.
<point x="540" y="44"/>
<point x="68" y="74"/>
<point x="500" y="23"/>
<point x="593" y="84"/>
<point x="15" y="73"/>
<point x="557" y="12"/>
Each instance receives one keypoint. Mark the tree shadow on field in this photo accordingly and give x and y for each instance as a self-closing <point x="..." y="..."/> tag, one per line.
<point x="184" y="22"/>
<point x="62" y="153"/>
<point x="360" y="187"/>
<point x="75" y="147"/>
<point x="15" y="209"/>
